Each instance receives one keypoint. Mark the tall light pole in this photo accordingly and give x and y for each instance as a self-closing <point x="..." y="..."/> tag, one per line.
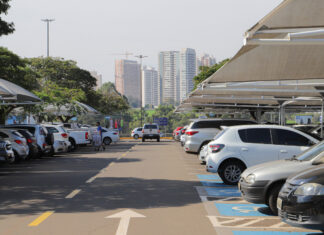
<point x="48" y="21"/>
<point x="141" y="57"/>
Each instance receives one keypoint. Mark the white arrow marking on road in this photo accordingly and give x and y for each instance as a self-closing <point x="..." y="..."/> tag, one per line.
<point x="125" y="217"/>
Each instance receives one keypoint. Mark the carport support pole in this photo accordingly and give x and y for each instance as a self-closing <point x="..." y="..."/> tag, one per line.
<point x="282" y="115"/>
<point x="322" y="112"/>
<point x="258" y="116"/>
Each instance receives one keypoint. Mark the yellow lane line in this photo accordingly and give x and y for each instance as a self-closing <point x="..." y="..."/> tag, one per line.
<point x="41" y="218"/>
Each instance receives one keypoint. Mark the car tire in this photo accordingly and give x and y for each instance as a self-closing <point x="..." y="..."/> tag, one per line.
<point x="136" y="137"/>
<point x="107" y="141"/>
<point x="73" y="144"/>
<point x="231" y="171"/>
<point x="158" y="139"/>
<point x="17" y="158"/>
<point x="143" y="140"/>
<point x="272" y="198"/>
<point x="12" y="160"/>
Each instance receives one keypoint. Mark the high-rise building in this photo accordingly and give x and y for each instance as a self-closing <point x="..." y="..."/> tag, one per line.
<point x="205" y="60"/>
<point x="150" y="87"/>
<point x="98" y="78"/>
<point x="128" y="80"/>
<point x="169" y="76"/>
<point x="188" y="71"/>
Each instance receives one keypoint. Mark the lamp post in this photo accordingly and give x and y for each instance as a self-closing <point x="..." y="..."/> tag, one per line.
<point x="48" y="21"/>
<point x="141" y="57"/>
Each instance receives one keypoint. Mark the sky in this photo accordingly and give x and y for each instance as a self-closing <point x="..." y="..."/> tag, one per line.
<point x="92" y="32"/>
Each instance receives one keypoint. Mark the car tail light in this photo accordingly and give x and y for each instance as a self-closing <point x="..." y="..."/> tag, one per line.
<point x="8" y="146"/>
<point x="65" y="135"/>
<point x="183" y="131"/>
<point x="18" y="141"/>
<point x="132" y="132"/>
<point x="115" y="133"/>
<point x="159" y="131"/>
<point x="44" y="145"/>
<point x="177" y="133"/>
<point x="191" y="133"/>
<point x="86" y="135"/>
<point x="30" y="141"/>
<point x="142" y="131"/>
<point x="215" y="148"/>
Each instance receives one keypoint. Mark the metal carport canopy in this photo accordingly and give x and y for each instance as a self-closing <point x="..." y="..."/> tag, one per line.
<point x="287" y="44"/>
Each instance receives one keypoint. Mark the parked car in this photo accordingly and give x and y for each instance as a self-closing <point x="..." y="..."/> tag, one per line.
<point x="109" y="136"/>
<point x="6" y="153"/>
<point x="18" y="142"/>
<point x="151" y="131"/>
<point x="305" y="128"/>
<point x="203" y="154"/>
<point x="182" y="134"/>
<point x="202" y="131"/>
<point x="78" y="137"/>
<point x="175" y="131"/>
<point x="261" y="183"/>
<point x="31" y="142"/>
<point x="61" y="138"/>
<point x="301" y="199"/>
<point x="177" y="134"/>
<point x="137" y="133"/>
<point x="43" y="139"/>
<point x="239" y="147"/>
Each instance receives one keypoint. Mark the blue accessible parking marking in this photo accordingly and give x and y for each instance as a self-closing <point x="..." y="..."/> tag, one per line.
<point x="270" y="233"/>
<point x="225" y="192"/>
<point x="209" y="177"/>
<point x="219" y="184"/>
<point x="240" y="209"/>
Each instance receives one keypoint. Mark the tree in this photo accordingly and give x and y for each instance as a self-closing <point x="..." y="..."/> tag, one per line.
<point x="5" y="27"/>
<point x="15" y="70"/>
<point x="206" y="72"/>
<point x="111" y="100"/>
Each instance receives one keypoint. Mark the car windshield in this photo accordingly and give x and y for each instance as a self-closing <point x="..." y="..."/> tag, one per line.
<point x="150" y="127"/>
<point x="312" y="152"/>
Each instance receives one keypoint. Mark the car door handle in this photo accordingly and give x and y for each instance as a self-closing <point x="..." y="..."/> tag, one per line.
<point x="244" y="149"/>
<point x="283" y="151"/>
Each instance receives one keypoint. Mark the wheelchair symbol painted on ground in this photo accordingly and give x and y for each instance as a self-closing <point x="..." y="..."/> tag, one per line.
<point x="246" y="209"/>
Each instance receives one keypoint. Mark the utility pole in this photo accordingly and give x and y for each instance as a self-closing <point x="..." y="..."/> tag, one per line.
<point x="141" y="57"/>
<point x="48" y="21"/>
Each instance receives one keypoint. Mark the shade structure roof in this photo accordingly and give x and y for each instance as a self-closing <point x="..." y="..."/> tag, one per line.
<point x="65" y="110"/>
<point x="17" y="93"/>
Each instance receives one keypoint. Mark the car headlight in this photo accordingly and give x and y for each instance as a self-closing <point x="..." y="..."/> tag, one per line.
<point x="310" y="189"/>
<point x="250" y="179"/>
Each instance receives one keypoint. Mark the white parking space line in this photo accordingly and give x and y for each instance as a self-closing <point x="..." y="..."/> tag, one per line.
<point x="91" y="179"/>
<point x="73" y="194"/>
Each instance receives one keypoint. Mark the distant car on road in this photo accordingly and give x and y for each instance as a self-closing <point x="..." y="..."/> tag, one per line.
<point x="137" y="133"/>
<point x="261" y="184"/>
<point x="151" y="131"/>
<point x="239" y="147"/>
<point x="301" y="199"/>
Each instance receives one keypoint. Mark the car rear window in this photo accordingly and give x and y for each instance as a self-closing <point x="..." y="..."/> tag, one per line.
<point x="51" y="130"/>
<point x="18" y="134"/>
<point x="139" y="129"/>
<point x="255" y="135"/>
<point x="150" y="127"/>
<point x="3" y="135"/>
<point x="205" y="124"/>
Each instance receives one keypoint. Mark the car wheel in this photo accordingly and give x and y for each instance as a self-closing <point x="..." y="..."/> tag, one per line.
<point x="73" y="144"/>
<point x="12" y="159"/>
<point x="272" y="198"/>
<point x="136" y="137"/>
<point x="17" y="158"/>
<point x="158" y="139"/>
<point x="231" y="171"/>
<point x="107" y="141"/>
<point x="143" y="140"/>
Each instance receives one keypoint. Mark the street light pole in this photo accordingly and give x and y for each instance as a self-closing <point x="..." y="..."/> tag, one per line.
<point x="48" y="21"/>
<point x="141" y="57"/>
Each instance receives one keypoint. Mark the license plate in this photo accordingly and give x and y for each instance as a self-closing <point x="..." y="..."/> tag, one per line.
<point x="279" y="203"/>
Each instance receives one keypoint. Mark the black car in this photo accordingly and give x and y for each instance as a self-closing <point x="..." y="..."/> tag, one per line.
<point x="31" y="142"/>
<point x="301" y="200"/>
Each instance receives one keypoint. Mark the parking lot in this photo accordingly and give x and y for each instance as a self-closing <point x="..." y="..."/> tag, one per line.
<point x="130" y="188"/>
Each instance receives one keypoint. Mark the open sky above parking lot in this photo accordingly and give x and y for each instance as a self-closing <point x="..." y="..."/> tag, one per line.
<point x="90" y="31"/>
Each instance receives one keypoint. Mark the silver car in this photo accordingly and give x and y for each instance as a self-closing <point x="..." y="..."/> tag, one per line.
<point x="202" y="131"/>
<point x="18" y="142"/>
<point x="261" y="183"/>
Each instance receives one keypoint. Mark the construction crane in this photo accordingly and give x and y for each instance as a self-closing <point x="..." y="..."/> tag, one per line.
<point x="126" y="54"/>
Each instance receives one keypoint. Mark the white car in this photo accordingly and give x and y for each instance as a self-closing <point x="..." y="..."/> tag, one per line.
<point x="61" y="138"/>
<point x="137" y="133"/>
<point x="236" y="148"/>
<point x="109" y="136"/>
<point x="203" y="153"/>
